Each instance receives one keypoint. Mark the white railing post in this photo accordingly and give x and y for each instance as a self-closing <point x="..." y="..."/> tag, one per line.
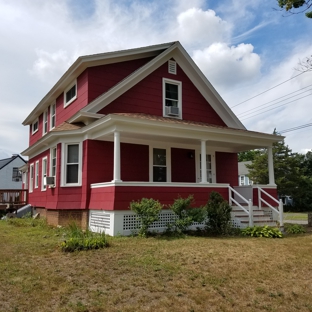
<point x="250" y="208"/>
<point x="281" y="213"/>
<point x="259" y="198"/>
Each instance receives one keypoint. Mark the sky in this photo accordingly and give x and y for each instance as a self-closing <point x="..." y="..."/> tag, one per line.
<point x="248" y="50"/>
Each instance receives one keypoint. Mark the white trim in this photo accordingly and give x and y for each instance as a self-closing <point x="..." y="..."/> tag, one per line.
<point x="37" y="174"/>
<point x="31" y="177"/>
<point x="212" y="153"/>
<point x="51" y="116"/>
<point x="168" y="161"/>
<point x="33" y="124"/>
<point x="51" y="163"/>
<point x="66" y="90"/>
<point x="116" y="157"/>
<point x="179" y="84"/>
<point x="44" y="173"/>
<point x="64" y="164"/>
<point x="161" y="184"/>
<point x="45" y="125"/>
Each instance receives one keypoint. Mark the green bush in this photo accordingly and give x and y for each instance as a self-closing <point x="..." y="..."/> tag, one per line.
<point x="147" y="211"/>
<point x="218" y="215"/>
<point x="185" y="215"/>
<point x="77" y="239"/>
<point x="295" y="229"/>
<point x="262" y="231"/>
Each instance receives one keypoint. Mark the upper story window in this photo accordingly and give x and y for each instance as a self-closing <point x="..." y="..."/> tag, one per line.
<point x="52" y="115"/>
<point x="16" y="175"/>
<point x="172" y="98"/>
<point x="35" y="126"/>
<point x="45" y="122"/>
<point x="70" y="94"/>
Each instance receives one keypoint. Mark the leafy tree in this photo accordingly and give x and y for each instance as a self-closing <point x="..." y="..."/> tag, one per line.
<point x="248" y="155"/>
<point x="296" y="6"/>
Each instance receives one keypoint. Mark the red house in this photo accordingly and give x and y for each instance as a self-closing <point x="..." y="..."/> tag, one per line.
<point x="124" y="125"/>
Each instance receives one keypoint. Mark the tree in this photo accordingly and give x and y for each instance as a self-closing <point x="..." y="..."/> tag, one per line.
<point x="292" y="174"/>
<point x="296" y="6"/>
<point x="248" y="155"/>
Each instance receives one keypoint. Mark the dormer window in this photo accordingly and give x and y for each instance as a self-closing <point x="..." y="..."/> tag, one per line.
<point x="172" y="98"/>
<point x="70" y="94"/>
<point x="35" y="126"/>
<point x="45" y="122"/>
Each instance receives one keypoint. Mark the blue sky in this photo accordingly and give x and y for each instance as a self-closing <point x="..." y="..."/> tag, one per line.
<point x="243" y="47"/>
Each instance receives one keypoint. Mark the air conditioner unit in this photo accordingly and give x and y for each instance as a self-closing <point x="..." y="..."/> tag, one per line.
<point x="50" y="181"/>
<point x="172" y="111"/>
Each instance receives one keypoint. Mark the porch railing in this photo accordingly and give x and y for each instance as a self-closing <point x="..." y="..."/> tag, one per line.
<point x="15" y="198"/>
<point x="248" y="202"/>
<point x="280" y="211"/>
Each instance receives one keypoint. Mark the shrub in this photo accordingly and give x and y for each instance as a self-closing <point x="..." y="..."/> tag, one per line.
<point x="147" y="211"/>
<point x="262" y="231"/>
<point x="218" y="215"/>
<point x="185" y="214"/>
<point x="77" y="239"/>
<point x="295" y="229"/>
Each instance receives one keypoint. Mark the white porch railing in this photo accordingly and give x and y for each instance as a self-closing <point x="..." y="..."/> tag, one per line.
<point x="280" y="204"/>
<point x="248" y="202"/>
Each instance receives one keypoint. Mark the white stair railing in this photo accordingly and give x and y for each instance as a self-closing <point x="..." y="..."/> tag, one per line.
<point x="280" y="204"/>
<point x="248" y="202"/>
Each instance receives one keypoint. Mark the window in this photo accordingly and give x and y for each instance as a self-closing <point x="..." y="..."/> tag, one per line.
<point x="35" y="126"/>
<point x="52" y="115"/>
<point x="242" y="180"/>
<point x="159" y="165"/>
<point x="70" y="94"/>
<point x="16" y="175"/>
<point x="53" y="162"/>
<point x="208" y="167"/>
<point x="172" y="98"/>
<point x="72" y="164"/>
<point x="31" y="178"/>
<point x="37" y="174"/>
<point x="45" y="122"/>
<point x="44" y="174"/>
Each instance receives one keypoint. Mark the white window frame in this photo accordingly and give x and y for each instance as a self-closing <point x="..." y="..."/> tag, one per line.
<point x="25" y="179"/>
<point x="51" y="163"/>
<point x="64" y="164"/>
<point x="33" y="126"/>
<point x="31" y="178"/>
<point x="213" y="165"/>
<point x="168" y="161"/>
<point x="44" y="173"/>
<point x="37" y="174"/>
<point x="52" y="116"/>
<point x="242" y="180"/>
<point x="73" y="98"/>
<point x="179" y="84"/>
<point x="45" y="122"/>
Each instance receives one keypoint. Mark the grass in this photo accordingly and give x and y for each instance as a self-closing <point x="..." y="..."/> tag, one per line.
<point x="155" y="274"/>
<point x="295" y="216"/>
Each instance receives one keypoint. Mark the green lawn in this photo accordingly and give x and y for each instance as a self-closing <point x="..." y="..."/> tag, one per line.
<point x="154" y="274"/>
<point x="295" y="216"/>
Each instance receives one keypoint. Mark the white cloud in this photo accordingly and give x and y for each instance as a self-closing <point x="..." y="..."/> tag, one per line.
<point x="227" y="66"/>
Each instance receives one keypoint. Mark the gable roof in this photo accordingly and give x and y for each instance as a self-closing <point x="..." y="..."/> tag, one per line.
<point x="6" y="161"/>
<point x="161" y="54"/>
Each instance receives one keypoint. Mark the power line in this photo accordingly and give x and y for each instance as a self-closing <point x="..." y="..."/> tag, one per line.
<point x="295" y="128"/>
<point x="276" y="107"/>
<point x="255" y="108"/>
<point x="268" y="90"/>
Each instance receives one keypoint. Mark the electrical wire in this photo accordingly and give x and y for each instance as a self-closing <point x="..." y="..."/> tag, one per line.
<point x="268" y="90"/>
<point x="295" y="128"/>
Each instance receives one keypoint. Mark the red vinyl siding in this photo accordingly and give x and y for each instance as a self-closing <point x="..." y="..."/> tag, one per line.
<point x="271" y="191"/>
<point x="119" y="198"/>
<point x="182" y="165"/>
<point x="147" y="97"/>
<point x="227" y="168"/>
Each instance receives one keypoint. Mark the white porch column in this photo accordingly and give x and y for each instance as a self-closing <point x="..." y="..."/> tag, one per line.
<point x="271" y="166"/>
<point x="116" y="157"/>
<point x="203" y="162"/>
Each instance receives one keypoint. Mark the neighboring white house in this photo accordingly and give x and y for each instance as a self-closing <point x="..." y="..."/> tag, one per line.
<point x="243" y="172"/>
<point x="10" y="175"/>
